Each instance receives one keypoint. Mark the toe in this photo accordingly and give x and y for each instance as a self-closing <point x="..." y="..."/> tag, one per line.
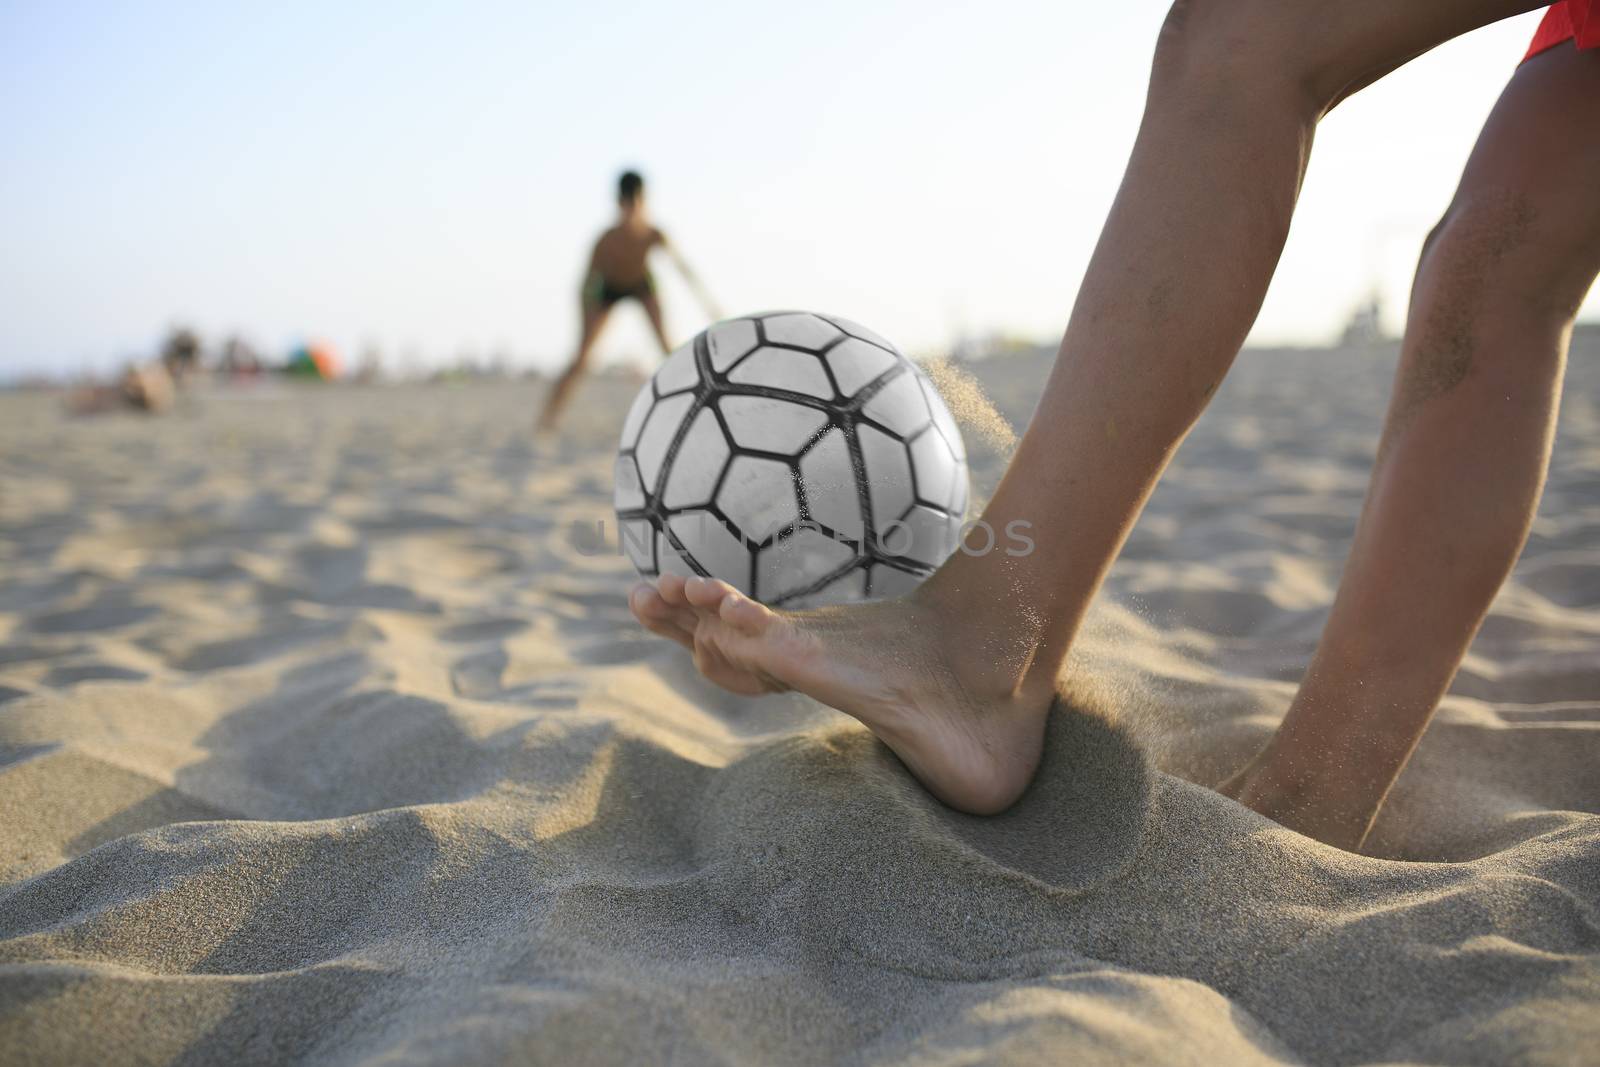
<point x="707" y="594"/>
<point x="659" y="617"/>
<point x="745" y="615"/>
<point x="671" y="586"/>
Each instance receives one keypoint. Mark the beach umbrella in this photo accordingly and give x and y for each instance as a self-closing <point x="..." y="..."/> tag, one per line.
<point x="316" y="360"/>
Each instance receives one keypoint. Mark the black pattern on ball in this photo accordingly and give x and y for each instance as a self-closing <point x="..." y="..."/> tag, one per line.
<point x="874" y="466"/>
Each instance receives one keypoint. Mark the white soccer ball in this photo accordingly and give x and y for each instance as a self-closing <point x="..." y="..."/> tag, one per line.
<point x="798" y="457"/>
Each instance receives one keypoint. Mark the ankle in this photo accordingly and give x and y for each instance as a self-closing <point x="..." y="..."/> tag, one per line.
<point x="1318" y="801"/>
<point x="991" y="656"/>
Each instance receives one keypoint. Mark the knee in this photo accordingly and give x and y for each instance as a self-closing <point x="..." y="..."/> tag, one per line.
<point x="1217" y="49"/>
<point x="1281" y="51"/>
<point x="1497" y="250"/>
<point x="1485" y="226"/>
<point x="1494" y="295"/>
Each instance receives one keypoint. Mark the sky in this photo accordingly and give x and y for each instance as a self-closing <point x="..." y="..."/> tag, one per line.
<point x="425" y="180"/>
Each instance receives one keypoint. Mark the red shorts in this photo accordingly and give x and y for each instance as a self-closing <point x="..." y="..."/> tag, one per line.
<point x="1571" y="20"/>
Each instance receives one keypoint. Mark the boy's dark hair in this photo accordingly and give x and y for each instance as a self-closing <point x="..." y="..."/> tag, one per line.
<point x="629" y="186"/>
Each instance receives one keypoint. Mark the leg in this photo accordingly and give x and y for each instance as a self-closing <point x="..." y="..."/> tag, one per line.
<point x="1463" y="456"/>
<point x="652" y="308"/>
<point x="594" y="319"/>
<point x="957" y="679"/>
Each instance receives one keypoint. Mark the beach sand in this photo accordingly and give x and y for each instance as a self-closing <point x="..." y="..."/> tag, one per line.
<point x="324" y="734"/>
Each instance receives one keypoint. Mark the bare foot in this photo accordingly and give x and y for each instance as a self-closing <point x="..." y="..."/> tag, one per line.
<point x="974" y="741"/>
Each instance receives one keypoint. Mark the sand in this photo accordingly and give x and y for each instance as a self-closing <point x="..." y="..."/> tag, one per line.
<point x="323" y="737"/>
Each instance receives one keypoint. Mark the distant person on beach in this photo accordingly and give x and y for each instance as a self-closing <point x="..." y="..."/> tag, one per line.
<point x="619" y="270"/>
<point x="142" y="387"/>
<point x="180" y="355"/>
<point x="959" y="677"/>
<point x="238" y="360"/>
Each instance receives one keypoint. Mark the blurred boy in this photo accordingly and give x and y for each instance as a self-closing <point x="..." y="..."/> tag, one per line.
<point x="619" y="270"/>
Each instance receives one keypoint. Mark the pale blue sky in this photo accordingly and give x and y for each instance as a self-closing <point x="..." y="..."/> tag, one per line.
<point x="427" y="178"/>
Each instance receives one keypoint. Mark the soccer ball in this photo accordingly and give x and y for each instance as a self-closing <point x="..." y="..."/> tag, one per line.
<point x="798" y="457"/>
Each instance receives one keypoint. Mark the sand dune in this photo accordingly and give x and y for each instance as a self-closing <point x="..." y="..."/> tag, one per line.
<point x="323" y="735"/>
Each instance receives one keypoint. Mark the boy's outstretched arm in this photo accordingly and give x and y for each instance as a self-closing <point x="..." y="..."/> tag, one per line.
<point x="712" y="309"/>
